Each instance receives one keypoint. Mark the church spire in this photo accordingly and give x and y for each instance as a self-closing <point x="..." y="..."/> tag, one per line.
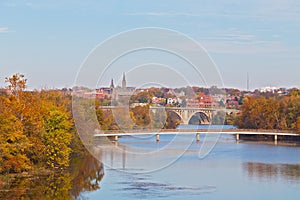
<point x="124" y="81"/>
<point x="112" y="84"/>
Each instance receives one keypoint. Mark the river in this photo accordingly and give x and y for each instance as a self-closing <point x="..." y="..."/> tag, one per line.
<point x="229" y="171"/>
<point x="244" y="170"/>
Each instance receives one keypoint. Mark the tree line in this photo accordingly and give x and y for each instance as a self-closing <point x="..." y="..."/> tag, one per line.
<point x="275" y="113"/>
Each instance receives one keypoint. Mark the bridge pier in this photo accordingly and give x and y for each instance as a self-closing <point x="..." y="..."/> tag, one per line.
<point x="116" y="138"/>
<point x="237" y="137"/>
<point x="198" y="137"/>
<point x="157" y="138"/>
<point x="275" y="139"/>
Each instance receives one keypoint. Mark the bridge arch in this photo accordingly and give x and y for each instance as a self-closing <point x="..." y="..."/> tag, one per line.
<point x="185" y="115"/>
<point x="174" y="113"/>
<point x="199" y="116"/>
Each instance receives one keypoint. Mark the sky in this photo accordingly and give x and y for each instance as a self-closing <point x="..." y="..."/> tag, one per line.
<point x="48" y="41"/>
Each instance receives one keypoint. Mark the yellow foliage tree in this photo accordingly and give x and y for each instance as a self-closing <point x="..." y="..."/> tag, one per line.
<point x="13" y="141"/>
<point x="298" y="124"/>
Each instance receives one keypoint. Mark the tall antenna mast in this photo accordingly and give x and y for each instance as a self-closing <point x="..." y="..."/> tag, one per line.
<point x="248" y="82"/>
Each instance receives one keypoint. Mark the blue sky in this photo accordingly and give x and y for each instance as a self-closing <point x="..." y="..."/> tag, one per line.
<point x="48" y="40"/>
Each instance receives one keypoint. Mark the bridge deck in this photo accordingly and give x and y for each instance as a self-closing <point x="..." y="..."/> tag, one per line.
<point x="175" y="108"/>
<point x="200" y="132"/>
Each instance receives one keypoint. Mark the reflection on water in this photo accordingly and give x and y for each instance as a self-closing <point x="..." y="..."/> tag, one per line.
<point x="84" y="174"/>
<point x="269" y="171"/>
<point x="141" y="154"/>
<point x="88" y="173"/>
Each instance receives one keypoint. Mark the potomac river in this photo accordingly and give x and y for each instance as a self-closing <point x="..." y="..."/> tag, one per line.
<point x="140" y="168"/>
<point x="176" y="167"/>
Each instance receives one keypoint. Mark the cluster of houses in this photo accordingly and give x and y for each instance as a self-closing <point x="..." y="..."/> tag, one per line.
<point x="181" y="99"/>
<point x="205" y="101"/>
<point x="199" y="101"/>
<point x="232" y="98"/>
<point x="274" y="90"/>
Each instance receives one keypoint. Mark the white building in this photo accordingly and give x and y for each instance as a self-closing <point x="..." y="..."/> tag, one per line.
<point x="268" y="89"/>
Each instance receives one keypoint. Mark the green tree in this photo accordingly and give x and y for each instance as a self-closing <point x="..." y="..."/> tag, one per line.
<point x="57" y="138"/>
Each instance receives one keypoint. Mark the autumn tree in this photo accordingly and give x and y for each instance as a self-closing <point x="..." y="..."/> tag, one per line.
<point x="142" y="97"/>
<point x="16" y="83"/>
<point x="26" y="107"/>
<point x="298" y="124"/>
<point x="243" y="120"/>
<point x="270" y="113"/>
<point x="141" y="116"/>
<point x="36" y="128"/>
<point x="13" y="141"/>
<point x="264" y="113"/>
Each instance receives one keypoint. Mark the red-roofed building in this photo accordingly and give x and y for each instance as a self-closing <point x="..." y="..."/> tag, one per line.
<point x="205" y="101"/>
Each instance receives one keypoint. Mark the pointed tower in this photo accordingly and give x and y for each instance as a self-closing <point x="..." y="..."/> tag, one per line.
<point x="112" y="84"/>
<point x="124" y="81"/>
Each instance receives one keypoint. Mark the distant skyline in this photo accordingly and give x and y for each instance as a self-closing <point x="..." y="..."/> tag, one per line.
<point x="48" y="40"/>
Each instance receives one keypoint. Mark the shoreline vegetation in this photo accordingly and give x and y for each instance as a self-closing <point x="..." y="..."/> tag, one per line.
<point x="37" y="131"/>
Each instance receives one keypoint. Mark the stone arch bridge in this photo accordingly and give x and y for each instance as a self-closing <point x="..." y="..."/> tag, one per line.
<point x="186" y="113"/>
